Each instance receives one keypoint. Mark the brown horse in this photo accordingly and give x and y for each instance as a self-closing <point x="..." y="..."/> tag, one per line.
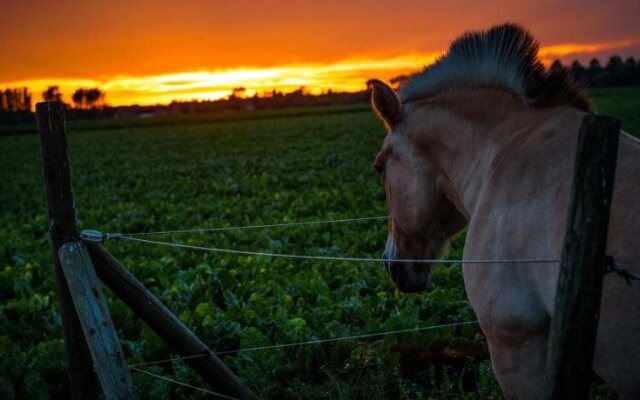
<point x="486" y="139"/>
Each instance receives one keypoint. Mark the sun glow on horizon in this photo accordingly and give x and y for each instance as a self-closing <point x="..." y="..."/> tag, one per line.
<point x="344" y="76"/>
<point x="548" y="53"/>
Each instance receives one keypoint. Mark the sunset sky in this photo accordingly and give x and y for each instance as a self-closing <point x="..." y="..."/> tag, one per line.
<point x="149" y="52"/>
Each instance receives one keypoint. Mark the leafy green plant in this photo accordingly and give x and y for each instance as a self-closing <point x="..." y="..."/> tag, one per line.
<point x="197" y="174"/>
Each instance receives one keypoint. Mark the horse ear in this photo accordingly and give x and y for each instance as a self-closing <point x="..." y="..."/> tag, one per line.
<point x="385" y="103"/>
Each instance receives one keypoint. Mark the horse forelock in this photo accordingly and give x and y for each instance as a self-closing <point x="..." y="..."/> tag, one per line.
<point x="505" y="56"/>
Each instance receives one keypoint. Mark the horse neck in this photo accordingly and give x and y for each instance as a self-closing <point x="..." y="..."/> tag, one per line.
<point x="464" y="131"/>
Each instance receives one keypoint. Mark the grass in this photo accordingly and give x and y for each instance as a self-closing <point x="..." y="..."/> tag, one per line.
<point x="236" y="172"/>
<point x="621" y="102"/>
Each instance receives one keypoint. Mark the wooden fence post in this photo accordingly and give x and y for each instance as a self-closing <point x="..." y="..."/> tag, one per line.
<point x="151" y="310"/>
<point x="62" y="229"/>
<point x="572" y="334"/>
<point x="108" y="360"/>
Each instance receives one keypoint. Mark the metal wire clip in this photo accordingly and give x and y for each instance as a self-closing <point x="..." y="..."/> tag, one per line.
<point x="96" y="236"/>
<point x="92" y="236"/>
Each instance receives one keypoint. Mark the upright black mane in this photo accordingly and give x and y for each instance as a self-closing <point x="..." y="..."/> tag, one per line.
<point x="505" y="56"/>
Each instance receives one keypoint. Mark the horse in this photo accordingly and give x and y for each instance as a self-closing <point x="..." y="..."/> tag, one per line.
<point x="485" y="139"/>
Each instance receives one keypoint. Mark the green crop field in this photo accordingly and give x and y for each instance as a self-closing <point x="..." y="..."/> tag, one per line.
<point x="202" y="173"/>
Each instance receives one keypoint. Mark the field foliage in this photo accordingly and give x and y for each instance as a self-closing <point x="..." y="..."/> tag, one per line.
<point x="205" y="174"/>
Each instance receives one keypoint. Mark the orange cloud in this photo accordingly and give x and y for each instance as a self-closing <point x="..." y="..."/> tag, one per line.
<point x="548" y="53"/>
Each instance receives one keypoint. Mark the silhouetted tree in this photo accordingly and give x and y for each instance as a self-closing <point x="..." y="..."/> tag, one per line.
<point x="594" y="70"/>
<point x="556" y="65"/>
<point x="237" y="93"/>
<point x="16" y="100"/>
<point x="88" y="99"/>
<point x="614" y="65"/>
<point x="52" y="94"/>
<point x="94" y="98"/>
<point x="26" y="98"/>
<point x="78" y="98"/>
<point x="615" y="73"/>
<point x="630" y="72"/>
<point x="578" y="71"/>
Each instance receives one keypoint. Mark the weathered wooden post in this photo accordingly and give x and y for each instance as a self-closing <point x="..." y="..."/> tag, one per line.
<point x="90" y="337"/>
<point x="86" y="291"/>
<point x="151" y="310"/>
<point x="62" y="229"/>
<point x="572" y="334"/>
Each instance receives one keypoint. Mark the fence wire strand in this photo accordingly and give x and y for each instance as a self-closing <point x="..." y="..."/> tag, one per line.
<point x="336" y="258"/>
<point x="137" y="237"/>
<point x="174" y="381"/>
<point x="246" y="227"/>
<point x="310" y="342"/>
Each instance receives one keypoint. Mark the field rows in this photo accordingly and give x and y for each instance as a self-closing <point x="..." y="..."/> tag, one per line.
<point x="267" y="170"/>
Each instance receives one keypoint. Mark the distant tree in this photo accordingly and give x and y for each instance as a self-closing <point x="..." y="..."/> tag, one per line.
<point x="52" y="94"/>
<point x="26" y="99"/>
<point x="301" y="91"/>
<point x="630" y="72"/>
<point x="630" y="63"/>
<point x="578" y="71"/>
<point x="237" y="93"/>
<point x="15" y="100"/>
<point x="595" y="75"/>
<point x="78" y="98"/>
<point x="88" y="99"/>
<point x="10" y="95"/>
<point x="7" y="99"/>
<point x="614" y="65"/>
<point x="94" y="98"/>
<point x="613" y="72"/>
<point x="556" y="65"/>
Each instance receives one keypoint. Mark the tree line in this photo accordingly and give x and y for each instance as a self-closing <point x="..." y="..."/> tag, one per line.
<point x="82" y="98"/>
<point x="616" y="72"/>
<point x="16" y="103"/>
<point x="20" y="99"/>
<point x="15" y="99"/>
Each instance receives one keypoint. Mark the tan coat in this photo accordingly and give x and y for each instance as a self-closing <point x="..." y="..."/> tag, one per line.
<point x="481" y="158"/>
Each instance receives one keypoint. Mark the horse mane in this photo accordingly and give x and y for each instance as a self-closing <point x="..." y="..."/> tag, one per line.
<point x="505" y="56"/>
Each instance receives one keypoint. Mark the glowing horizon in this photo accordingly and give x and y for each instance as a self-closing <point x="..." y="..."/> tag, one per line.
<point x="343" y="76"/>
<point x="156" y="51"/>
<point x="348" y="75"/>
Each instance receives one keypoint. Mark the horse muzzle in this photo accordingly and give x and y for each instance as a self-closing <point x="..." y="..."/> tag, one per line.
<point x="407" y="276"/>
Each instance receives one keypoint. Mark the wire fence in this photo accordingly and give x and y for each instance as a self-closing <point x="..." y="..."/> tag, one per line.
<point x="179" y="383"/>
<point x="136" y="367"/>
<point x="247" y="227"/>
<point x="337" y="258"/>
<point x="311" y="342"/>
<point x="140" y="237"/>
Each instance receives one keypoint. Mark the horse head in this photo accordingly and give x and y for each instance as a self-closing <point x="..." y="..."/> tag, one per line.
<point x="421" y="217"/>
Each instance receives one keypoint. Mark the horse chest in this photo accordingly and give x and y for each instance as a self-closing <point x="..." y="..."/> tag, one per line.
<point x="507" y="306"/>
